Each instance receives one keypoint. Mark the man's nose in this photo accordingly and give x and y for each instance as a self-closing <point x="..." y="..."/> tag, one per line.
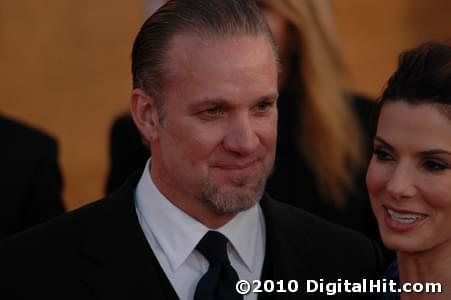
<point x="241" y="137"/>
<point x="401" y="184"/>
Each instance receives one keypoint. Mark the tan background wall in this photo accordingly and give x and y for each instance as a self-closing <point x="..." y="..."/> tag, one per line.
<point x="374" y="32"/>
<point x="65" y="66"/>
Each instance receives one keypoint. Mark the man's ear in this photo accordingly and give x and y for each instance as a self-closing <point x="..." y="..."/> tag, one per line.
<point x="144" y="113"/>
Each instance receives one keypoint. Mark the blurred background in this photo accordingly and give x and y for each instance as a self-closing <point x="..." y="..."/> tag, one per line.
<point x="65" y="66"/>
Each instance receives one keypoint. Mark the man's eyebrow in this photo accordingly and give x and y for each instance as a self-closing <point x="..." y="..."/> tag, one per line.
<point x="207" y="102"/>
<point x="270" y="97"/>
<point x="218" y="101"/>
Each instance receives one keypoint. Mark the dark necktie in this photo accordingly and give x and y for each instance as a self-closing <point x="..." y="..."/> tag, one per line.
<point x="220" y="280"/>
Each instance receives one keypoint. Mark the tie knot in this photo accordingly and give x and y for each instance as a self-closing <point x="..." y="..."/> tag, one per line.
<point x="214" y="247"/>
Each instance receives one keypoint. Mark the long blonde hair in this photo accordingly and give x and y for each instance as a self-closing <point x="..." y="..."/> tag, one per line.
<point x="330" y="135"/>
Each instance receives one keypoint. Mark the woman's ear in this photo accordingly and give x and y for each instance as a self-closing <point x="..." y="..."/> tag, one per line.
<point x="144" y="113"/>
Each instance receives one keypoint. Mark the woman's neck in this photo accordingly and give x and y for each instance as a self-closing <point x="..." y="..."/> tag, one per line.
<point x="430" y="266"/>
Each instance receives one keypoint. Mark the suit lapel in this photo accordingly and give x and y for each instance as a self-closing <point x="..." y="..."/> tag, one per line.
<point x="118" y="260"/>
<point x="291" y="256"/>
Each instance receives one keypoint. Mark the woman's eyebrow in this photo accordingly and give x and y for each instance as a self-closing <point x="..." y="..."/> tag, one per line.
<point x="435" y="151"/>
<point x="382" y="141"/>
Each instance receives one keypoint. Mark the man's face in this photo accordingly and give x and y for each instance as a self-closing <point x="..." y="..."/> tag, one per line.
<point x="215" y="146"/>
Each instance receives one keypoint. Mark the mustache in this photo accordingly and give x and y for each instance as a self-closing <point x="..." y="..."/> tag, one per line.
<point x="237" y="162"/>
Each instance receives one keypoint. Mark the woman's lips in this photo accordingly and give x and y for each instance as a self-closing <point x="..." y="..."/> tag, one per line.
<point x="403" y="220"/>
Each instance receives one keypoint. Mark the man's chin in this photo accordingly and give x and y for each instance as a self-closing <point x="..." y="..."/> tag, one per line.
<point x="239" y="196"/>
<point x="248" y="181"/>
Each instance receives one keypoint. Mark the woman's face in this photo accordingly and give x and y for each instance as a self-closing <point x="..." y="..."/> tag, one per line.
<point x="409" y="177"/>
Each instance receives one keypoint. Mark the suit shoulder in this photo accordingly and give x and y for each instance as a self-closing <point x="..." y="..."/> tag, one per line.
<point x="336" y="248"/>
<point x="20" y="133"/>
<point x="325" y="234"/>
<point x="61" y="231"/>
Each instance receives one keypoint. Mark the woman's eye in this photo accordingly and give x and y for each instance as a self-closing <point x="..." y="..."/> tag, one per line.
<point x="382" y="155"/>
<point x="433" y="165"/>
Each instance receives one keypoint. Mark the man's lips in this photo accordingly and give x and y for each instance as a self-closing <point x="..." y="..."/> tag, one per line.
<point x="236" y="165"/>
<point x="236" y="170"/>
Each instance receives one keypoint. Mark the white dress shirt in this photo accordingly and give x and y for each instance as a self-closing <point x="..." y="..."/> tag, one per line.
<point x="173" y="235"/>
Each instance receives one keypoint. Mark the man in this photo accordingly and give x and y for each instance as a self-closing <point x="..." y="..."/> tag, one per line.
<point x="30" y="178"/>
<point x="196" y="220"/>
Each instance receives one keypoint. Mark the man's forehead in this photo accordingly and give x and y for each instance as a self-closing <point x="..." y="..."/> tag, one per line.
<point x="186" y="48"/>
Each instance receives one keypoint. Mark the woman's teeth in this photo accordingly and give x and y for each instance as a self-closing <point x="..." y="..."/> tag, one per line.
<point x="404" y="218"/>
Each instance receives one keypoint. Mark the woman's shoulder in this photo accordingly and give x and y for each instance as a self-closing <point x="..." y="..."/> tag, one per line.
<point x="392" y="273"/>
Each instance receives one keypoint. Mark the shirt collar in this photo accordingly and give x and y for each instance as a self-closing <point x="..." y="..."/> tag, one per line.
<point x="178" y="233"/>
<point x="242" y="233"/>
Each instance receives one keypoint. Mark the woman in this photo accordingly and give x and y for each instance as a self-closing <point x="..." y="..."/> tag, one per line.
<point x="409" y="176"/>
<point x="321" y="150"/>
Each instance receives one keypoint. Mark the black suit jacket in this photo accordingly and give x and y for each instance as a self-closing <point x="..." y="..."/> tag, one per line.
<point x="100" y="252"/>
<point x="30" y="179"/>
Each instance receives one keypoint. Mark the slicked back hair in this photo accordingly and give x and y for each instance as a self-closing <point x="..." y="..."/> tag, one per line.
<point x="205" y="18"/>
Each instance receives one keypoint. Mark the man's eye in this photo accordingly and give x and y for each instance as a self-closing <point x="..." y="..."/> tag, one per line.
<point x="434" y="165"/>
<point x="264" y="106"/>
<point x="382" y="155"/>
<point x="214" y="111"/>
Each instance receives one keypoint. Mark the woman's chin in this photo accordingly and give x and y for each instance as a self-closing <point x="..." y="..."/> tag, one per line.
<point x="402" y="244"/>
